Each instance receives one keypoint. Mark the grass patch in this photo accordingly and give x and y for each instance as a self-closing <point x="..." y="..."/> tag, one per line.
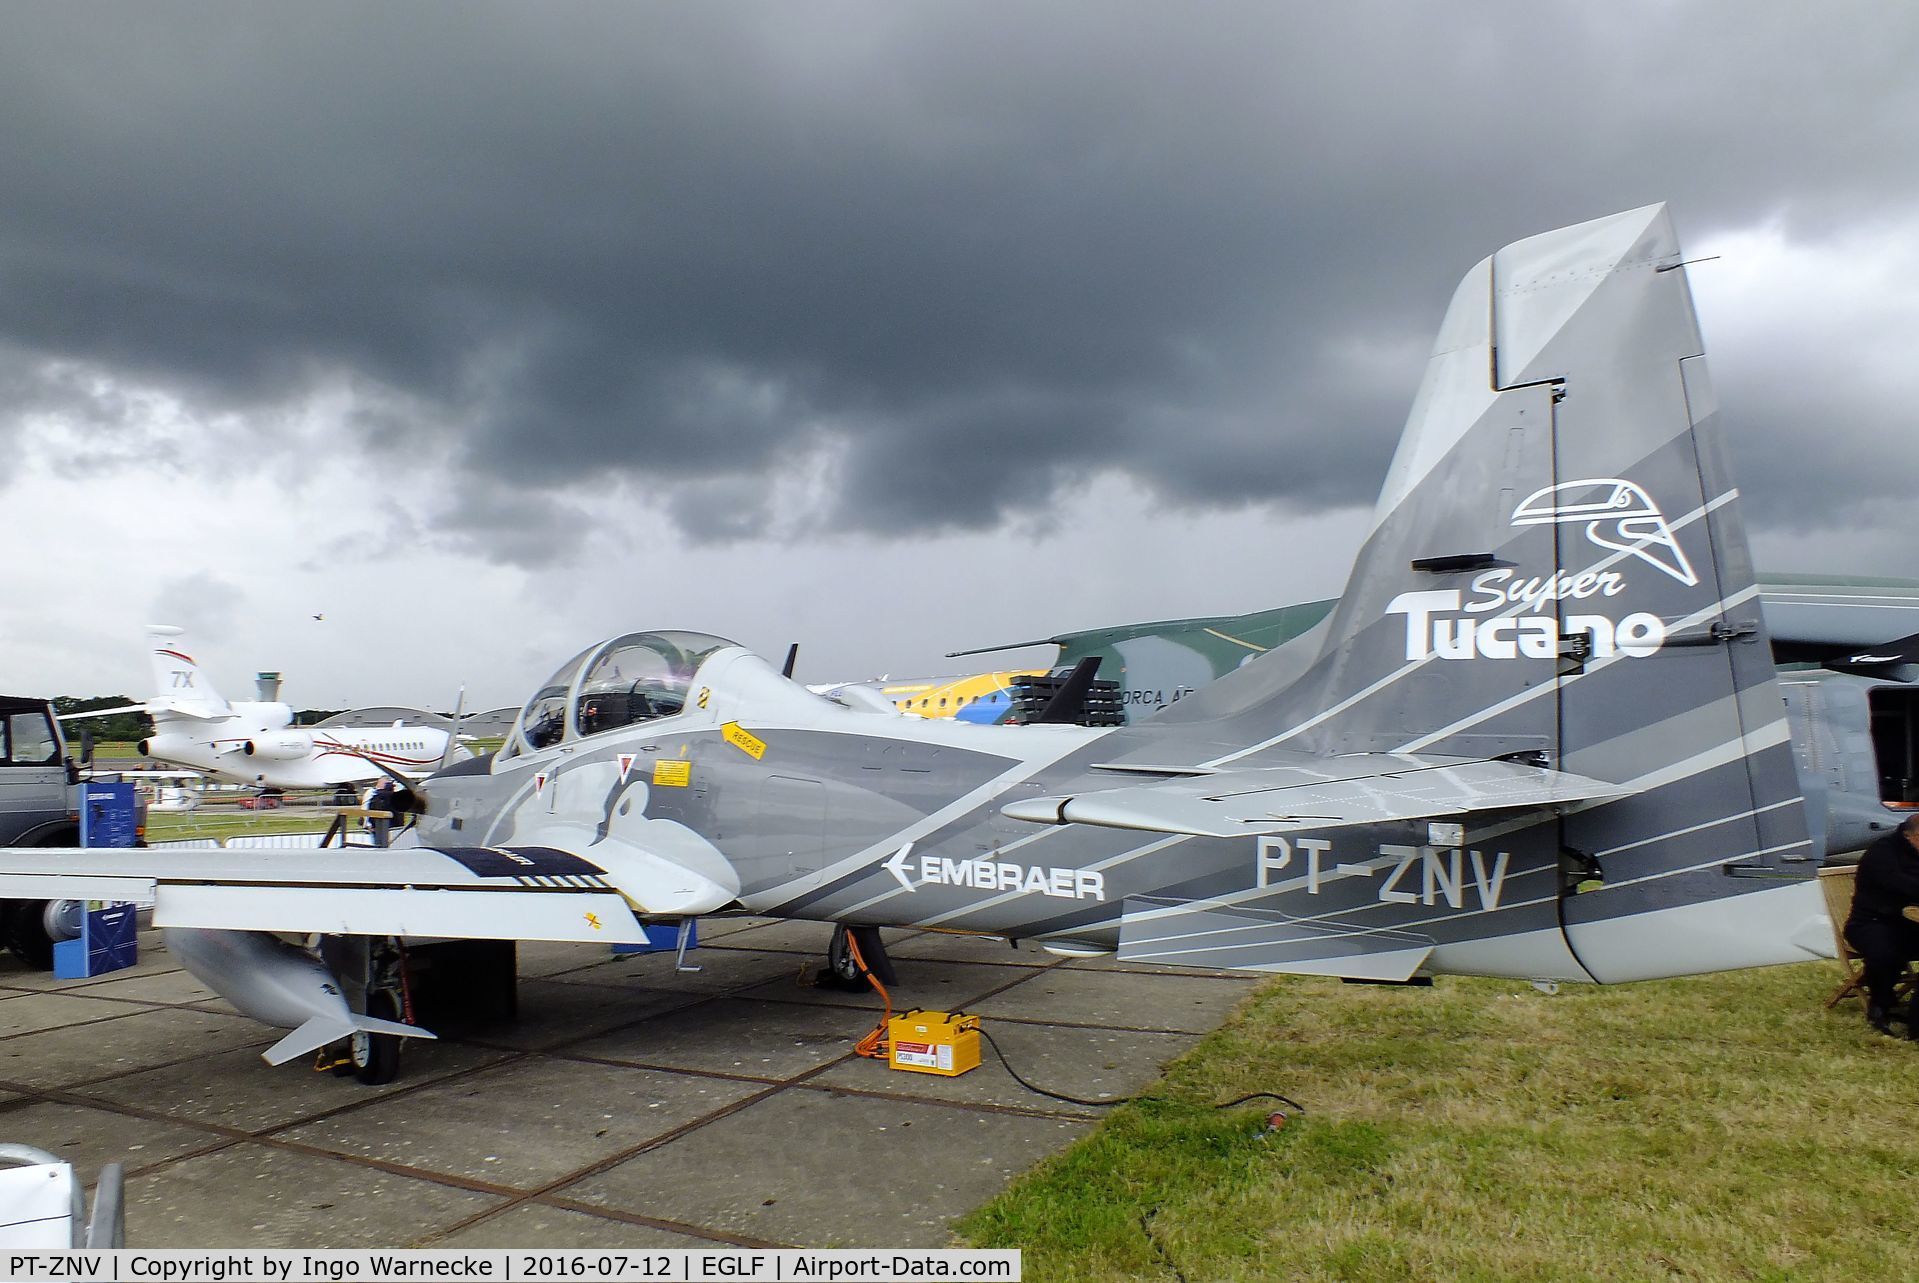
<point x="211" y="825"/>
<point x="1719" y="1127"/>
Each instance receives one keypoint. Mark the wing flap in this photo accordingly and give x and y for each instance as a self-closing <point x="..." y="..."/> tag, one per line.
<point x="591" y="916"/>
<point x="332" y="866"/>
<point x="1215" y="937"/>
<point x="66" y="886"/>
<point x="1363" y="788"/>
<point x="383" y="885"/>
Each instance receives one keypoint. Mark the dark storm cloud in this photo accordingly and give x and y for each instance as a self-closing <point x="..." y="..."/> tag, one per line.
<point x="971" y="255"/>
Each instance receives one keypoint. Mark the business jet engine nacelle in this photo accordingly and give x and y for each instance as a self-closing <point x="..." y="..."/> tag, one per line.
<point x="281" y="746"/>
<point x="168" y="745"/>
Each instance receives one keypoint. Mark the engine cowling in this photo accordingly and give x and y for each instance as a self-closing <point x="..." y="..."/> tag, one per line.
<point x="281" y="746"/>
<point x="170" y="745"/>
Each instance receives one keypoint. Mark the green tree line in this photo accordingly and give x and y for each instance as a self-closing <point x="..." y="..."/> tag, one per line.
<point x="120" y="726"/>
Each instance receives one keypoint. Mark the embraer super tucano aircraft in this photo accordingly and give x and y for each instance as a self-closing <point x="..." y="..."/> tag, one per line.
<point x="1583" y="775"/>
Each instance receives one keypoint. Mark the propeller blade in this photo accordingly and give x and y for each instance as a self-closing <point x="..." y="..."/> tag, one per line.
<point x="453" y="731"/>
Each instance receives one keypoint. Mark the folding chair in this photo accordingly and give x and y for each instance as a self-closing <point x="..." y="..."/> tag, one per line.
<point x="1837" y="885"/>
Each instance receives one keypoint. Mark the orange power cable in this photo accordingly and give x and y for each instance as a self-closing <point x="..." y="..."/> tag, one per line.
<point x="873" y="1046"/>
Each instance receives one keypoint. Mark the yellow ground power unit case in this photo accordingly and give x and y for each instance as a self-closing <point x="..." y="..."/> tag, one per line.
<point x="933" y="1042"/>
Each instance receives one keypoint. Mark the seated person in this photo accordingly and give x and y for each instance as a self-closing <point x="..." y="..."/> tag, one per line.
<point x="1881" y="927"/>
<point x="603" y="711"/>
<point x="546" y="729"/>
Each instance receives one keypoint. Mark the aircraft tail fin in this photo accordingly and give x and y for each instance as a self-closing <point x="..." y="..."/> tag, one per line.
<point x="1067" y="702"/>
<point x="179" y="685"/>
<point x="1557" y="575"/>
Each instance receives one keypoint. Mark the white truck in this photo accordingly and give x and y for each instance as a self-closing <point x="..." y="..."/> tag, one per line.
<point x="39" y="806"/>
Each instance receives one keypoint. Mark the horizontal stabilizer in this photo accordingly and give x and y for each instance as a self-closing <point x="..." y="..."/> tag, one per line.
<point x="1904" y="650"/>
<point x="988" y="650"/>
<point x="1216" y="937"/>
<point x="1360" y="788"/>
<point x="322" y="1030"/>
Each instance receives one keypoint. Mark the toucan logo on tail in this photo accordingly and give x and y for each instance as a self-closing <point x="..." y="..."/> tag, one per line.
<point x="1617" y="515"/>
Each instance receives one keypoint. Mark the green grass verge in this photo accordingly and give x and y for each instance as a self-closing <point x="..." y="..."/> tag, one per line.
<point x="1719" y="1127"/>
<point x="208" y="825"/>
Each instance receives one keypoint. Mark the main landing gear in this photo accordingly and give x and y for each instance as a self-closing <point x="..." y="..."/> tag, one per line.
<point x="843" y="970"/>
<point x="372" y="974"/>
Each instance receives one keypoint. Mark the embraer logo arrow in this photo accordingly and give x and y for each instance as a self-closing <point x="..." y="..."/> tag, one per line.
<point x="897" y="866"/>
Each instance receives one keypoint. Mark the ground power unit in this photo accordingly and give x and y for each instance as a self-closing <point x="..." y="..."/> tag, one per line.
<point x="933" y="1042"/>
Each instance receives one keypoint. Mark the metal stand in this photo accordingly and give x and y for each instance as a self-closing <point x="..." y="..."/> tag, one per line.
<point x="686" y="936"/>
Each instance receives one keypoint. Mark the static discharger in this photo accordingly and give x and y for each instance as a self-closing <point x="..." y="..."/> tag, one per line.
<point x="933" y="1042"/>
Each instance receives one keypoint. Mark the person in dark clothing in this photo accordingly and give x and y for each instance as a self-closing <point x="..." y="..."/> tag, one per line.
<point x="1879" y="928"/>
<point x="385" y="798"/>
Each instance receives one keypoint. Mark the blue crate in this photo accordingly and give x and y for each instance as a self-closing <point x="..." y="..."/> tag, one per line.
<point x="661" y="938"/>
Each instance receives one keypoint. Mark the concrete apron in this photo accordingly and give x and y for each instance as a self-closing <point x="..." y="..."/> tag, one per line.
<point x="630" y="1105"/>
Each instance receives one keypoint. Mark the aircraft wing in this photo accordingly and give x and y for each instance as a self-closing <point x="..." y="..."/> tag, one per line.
<point x="504" y="893"/>
<point x="1361" y="788"/>
<point x="1857" y="622"/>
<point x="102" y="712"/>
<point x="1847" y="650"/>
<point x="163" y="704"/>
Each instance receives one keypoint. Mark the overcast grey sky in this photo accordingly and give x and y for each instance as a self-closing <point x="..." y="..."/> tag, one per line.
<point x="485" y="330"/>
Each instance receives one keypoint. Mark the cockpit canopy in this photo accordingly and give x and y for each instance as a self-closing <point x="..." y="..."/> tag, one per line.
<point x="631" y="679"/>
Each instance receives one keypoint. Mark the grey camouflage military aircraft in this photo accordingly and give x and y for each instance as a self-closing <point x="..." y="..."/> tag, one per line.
<point x="1580" y="774"/>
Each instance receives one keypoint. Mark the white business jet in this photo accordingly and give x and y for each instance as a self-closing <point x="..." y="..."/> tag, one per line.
<point x="256" y="742"/>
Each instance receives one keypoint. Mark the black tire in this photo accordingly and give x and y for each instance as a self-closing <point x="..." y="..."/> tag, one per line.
<point x="842" y="972"/>
<point x="27" y="938"/>
<point x="376" y="1057"/>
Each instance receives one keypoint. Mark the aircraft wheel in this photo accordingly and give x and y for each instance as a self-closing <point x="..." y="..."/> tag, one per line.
<point x="842" y="972"/>
<point x="376" y="1057"/>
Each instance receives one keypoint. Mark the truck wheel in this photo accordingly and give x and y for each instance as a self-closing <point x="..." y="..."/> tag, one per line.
<point x="376" y="1057"/>
<point x="27" y="936"/>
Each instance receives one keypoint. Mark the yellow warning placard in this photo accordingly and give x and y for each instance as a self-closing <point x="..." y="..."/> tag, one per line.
<point x="673" y="774"/>
<point x="745" y="741"/>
